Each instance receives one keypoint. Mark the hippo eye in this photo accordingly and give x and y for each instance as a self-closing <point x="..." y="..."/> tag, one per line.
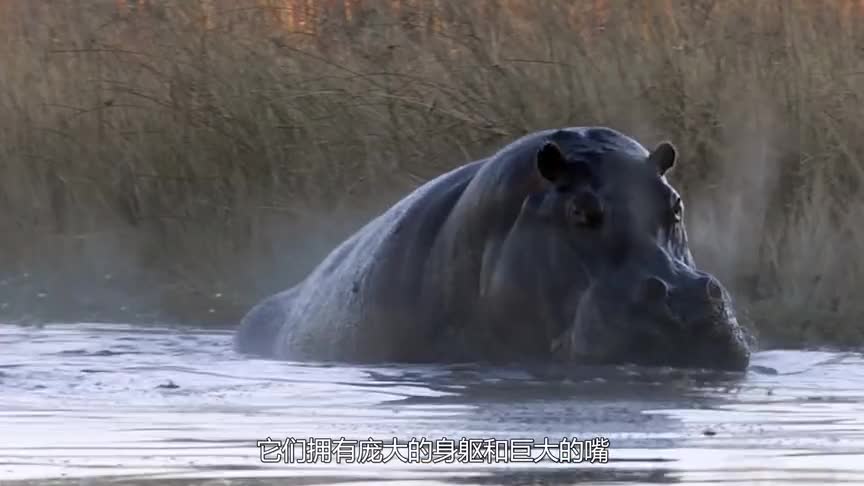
<point x="677" y="210"/>
<point x="588" y="219"/>
<point x="586" y="212"/>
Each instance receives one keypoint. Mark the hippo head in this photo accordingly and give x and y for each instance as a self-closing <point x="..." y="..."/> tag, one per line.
<point x="640" y="298"/>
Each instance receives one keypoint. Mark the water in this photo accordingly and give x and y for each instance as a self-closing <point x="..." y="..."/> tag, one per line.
<point x="82" y="404"/>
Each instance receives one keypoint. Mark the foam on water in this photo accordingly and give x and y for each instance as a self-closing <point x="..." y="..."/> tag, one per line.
<point x="82" y="402"/>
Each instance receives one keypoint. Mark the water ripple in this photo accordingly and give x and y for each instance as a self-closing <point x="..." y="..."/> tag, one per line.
<point x="176" y="406"/>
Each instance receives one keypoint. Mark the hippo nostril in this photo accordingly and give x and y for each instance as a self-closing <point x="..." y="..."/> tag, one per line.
<point x="653" y="290"/>
<point x="712" y="288"/>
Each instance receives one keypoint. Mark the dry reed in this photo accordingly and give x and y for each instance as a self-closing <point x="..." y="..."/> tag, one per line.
<point x="180" y="160"/>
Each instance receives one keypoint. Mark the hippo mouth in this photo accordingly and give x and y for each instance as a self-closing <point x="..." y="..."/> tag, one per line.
<point x="679" y="329"/>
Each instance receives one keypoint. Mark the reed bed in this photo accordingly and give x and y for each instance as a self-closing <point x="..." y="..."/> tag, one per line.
<point x="178" y="160"/>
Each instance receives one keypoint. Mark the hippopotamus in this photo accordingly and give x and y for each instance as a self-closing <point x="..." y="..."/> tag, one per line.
<point x="565" y="245"/>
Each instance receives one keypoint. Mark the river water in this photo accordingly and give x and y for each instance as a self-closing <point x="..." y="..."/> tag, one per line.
<point x="89" y="404"/>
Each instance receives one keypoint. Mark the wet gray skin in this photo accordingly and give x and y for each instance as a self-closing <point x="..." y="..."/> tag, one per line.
<point x="676" y="316"/>
<point x="566" y="244"/>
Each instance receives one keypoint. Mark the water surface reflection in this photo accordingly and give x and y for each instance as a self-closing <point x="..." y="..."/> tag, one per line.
<point x="173" y="406"/>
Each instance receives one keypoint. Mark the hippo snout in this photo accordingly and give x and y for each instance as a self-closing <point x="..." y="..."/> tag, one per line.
<point x="687" y="321"/>
<point x="698" y="301"/>
<point x="653" y="290"/>
<point x="705" y="288"/>
<point x="711" y="288"/>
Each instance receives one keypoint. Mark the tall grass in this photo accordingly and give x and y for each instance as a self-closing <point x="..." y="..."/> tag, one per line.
<point x="181" y="160"/>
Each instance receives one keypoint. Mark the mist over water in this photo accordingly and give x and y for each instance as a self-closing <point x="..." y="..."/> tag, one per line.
<point x="177" y="406"/>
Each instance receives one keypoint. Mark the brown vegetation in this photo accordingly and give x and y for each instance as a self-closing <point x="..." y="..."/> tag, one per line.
<point x="180" y="160"/>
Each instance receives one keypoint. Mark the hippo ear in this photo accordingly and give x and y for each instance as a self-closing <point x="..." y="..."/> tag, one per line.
<point x="663" y="157"/>
<point x="550" y="161"/>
